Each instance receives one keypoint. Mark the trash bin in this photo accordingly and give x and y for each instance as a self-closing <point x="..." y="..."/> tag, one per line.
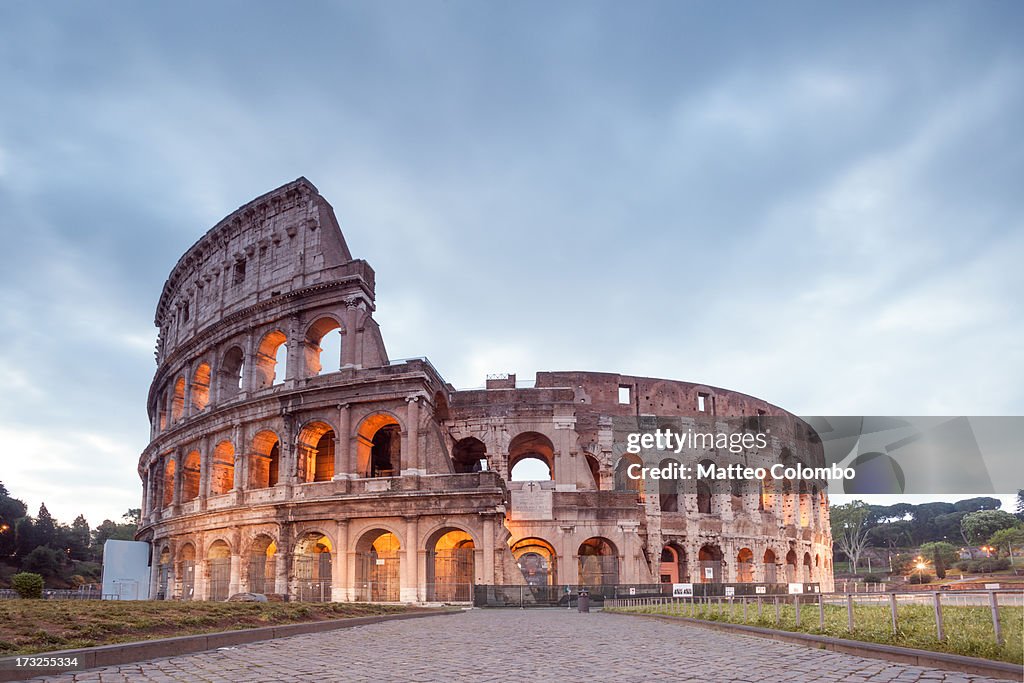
<point x="583" y="604"/>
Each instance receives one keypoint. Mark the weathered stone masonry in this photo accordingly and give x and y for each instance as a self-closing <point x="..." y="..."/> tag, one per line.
<point x="273" y="468"/>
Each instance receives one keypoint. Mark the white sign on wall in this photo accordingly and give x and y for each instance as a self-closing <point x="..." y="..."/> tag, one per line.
<point x="795" y="588"/>
<point x="682" y="590"/>
<point x="760" y="590"/>
<point x="730" y="591"/>
<point x="709" y="572"/>
<point x="632" y="591"/>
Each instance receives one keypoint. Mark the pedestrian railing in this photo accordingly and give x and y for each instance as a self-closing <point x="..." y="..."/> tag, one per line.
<point x="802" y="611"/>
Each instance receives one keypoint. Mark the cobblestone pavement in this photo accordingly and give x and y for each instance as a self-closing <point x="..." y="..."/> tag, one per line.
<point x="518" y="645"/>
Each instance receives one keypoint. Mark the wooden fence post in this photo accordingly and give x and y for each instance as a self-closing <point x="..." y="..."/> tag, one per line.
<point x="938" y="616"/>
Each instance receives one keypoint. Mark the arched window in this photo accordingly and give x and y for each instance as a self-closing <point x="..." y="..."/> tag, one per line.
<point x="178" y="401"/>
<point x="323" y="347"/>
<point x="266" y="460"/>
<point x="668" y="498"/>
<point x="222" y="475"/>
<point x="230" y="383"/>
<point x="190" y="477"/>
<point x="313" y="568"/>
<point x="261" y="567"/>
<point x="703" y="497"/>
<point x="378" y="567"/>
<point x="450" y="566"/>
<point x="710" y="558"/>
<point x="595" y="471"/>
<point x="469" y="455"/>
<point x="379" y="446"/>
<point x="769" y="566"/>
<point x="271" y="360"/>
<point x="316" y="452"/>
<point x="169" y="467"/>
<point x="599" y="562"/>
<point x="537" y="561"/>
<point x="200" y="391"/>
<point x="623" y="480"/>
<point x="218" y="567"/>
<point x="745" y="565"/>
<point x="531" y="457"/>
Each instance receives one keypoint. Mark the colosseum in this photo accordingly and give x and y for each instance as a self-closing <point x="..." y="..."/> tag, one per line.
<point x="290" y="456"/>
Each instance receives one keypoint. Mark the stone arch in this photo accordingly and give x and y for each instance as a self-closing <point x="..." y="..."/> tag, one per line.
<point x="598" y="562"/>
<point x="379" y="445"/>
<point x="312" y="563"/>
<point x="260" y="569"/>
<point x="222" y="474"/>
<point x="668" y="494"/>
<point x="537" y="560"/>
<point x="268" y="357"/>
<point x="378" y="566"/>
<point x="451" y="569"/>
<point x="673" y="568"/>
<point x="200" y="391"/>
<point x="164" y="566"/>
<point x="623" y="482"/>
<point x="178" y="399"/>
<point x="745" y="565"/>
<point x="218" y="569"/>
<point x="185" y="571"/>
<point x="318" y="334"/>
<point x="169" y="475"/>
<point x="711" y="559"/>
<point x="316" y="444"/>
<point x="595" y="471"/>
<point x="791" y="566"/>
<point x="230" y="375"/>
<point x="806" y="578"/>
<point x="265" y="460"/>
<point x="770" y="566"/>
<point x="441" y="411"/>
<point x="526" y="447"/>
<point x="191" y="476"/>
<point x="469" y="455"/>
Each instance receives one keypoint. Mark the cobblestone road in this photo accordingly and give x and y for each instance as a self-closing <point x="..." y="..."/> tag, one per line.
<point x="518" y="645"/>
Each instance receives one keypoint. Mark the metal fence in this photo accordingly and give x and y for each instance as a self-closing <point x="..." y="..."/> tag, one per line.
<point x="90" y="591"/>
<point x="810" y="608"/>
<point x="563" y="596"/>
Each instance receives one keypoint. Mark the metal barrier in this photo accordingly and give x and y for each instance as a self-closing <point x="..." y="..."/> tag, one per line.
<point x="524" y="596"/>
<point x="741" y="609"/>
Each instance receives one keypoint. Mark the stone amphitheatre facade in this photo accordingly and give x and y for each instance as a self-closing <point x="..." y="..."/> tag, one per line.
<point x="278" y="467"/>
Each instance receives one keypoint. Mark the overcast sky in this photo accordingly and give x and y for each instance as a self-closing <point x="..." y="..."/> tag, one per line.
<point x="819" y="205"/>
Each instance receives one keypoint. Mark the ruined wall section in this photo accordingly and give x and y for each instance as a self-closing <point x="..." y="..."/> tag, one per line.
<point x="285" y="240"/>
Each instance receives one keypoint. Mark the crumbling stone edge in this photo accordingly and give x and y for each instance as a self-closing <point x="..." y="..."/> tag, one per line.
<point x="891" y="653"/>
<point x="128" y="653"/>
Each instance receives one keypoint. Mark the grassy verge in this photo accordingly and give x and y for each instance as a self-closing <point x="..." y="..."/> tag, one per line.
<point x="30" y="626"/>
<point x="968" y="629"/>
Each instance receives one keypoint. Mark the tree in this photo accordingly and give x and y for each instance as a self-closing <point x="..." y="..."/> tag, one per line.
<point x="1020" y="504"/>
<point x="11" y="510"/>
<point x="133" y="516"/>
<point x="975" y="504"/>
<point x="850" y="530"/>
<point x="46" y="528"/>
<point x="978" y="526"/>
<point x="25" y="539"/>
<point x="1005" y="538"/>
<point x="29" y="586"/>
<point x="78" y="538"/>
<point x="110" y="530"/>
<point x="45" y="561"/>
<point x="892" y="534"/>
<point x="942" y="555"/>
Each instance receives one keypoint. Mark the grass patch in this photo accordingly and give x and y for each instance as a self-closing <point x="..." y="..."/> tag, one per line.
<point x="968" y="630"/>
<point x="31" y="626"/>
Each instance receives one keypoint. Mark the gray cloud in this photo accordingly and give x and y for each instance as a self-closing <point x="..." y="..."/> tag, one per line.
<point x="816" y="205"/>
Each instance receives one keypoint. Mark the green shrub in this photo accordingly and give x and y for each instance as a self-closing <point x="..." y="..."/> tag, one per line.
<point x="984" y="565"/>
<point x="872" y="578"/>
<point x="922" y="577"/>
<point x="28" y="585"/>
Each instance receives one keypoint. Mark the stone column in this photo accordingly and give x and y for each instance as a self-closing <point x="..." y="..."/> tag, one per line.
<point x="487" y="574"/>
<point x="340" y="583"/>
<point x="249" y="365"/>
<point x="186" y="410"/>
<point x="348" y="342"/>
<point x="343" y="444"/>
<point x="205" y="461"/>
<point x="234" y="583"/>
<point x="410" y="457"/>
<point x="410" y="588"/>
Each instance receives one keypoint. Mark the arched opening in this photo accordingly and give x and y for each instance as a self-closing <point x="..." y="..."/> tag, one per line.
<point x="169" y="467"/>
<point x="623" y="482"/>
<point x="163" y="574"/>
<point x="200" y="391"/>
<point x="668" y="498"/>
<point x="805" y="504"/>
<point x="595" y="471"/>
<point x="379" y="446"/>
<point x="323" y="347"/>
<point x="378" y="567"/>
<point x="599" y="562"/>
<point x="190" y="477"/>
<point x="178" y="400"/>
<point x="710" y="559"/>
<point x="745" y="565"/>
<point x="262" y="565"/>
<point x="186" y="571"/>
<point x="218" y="568"/>
<point x="222" y="474"/>
<point x="673" y="567"/>
<point x="230" y="374"/>
<point x="469" y="455"/>
<point x="537" y="561"/>
<point x="769" y="566"/>
<point x="791" y="566"/>
<point x="736" y="494"/>
<point x="266" y="460"/>
<point x="807" y="568"/>
<point x="271" y="360"/>
<point x="703" y="497"/>
<point x="161" y="409"/>
<point x="441" y="411"/>
<point x="313" y="568"/>
<point x="450" y="566"/>
<point x="531" y="457"/>
<point x="316" y="452"/>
